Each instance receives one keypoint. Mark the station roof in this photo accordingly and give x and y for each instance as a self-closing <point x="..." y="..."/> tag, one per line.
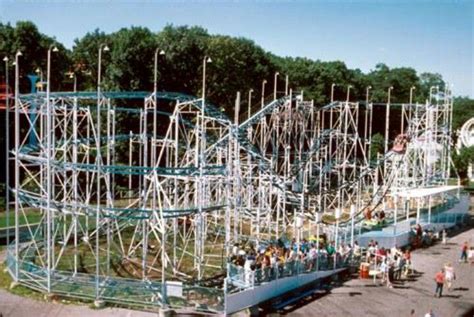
<point x="427" y="191"/>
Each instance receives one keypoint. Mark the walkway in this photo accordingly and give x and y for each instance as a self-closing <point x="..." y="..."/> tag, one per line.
<point x="362" y="298"/>
<point x="354" y="298"/>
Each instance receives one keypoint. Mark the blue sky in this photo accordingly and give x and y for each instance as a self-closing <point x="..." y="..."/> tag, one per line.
<point x="435" y="36"/>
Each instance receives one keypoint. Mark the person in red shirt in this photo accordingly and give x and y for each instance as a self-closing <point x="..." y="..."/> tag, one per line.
<point x="439" y="279"/>
<point x="464" y="252"/>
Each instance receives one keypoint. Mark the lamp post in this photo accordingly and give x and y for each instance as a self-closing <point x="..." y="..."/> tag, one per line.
<point x="275" y="86"/>
<point x="199" y="223"/>
<point x="39" y="71"/>
<point x="102" y="48"/>
<point x="411" y="94"/>
<point x="158" y="52"/>
<point x="431" y="92"/>
<point x="250" y="103"/>
<point x="155" y="71"/>
<point x="353" y="212"/>
<point x="73" y="76"/>
<point x="287" y="82"/>
<point x="49" y="154"/>
<point x="299" y="224"/>
<point x="17" y="166"/>
<point x="332" y="91"/>
<point x="395" y="212"/>
<point x="368" y="122"/>
<point x="337" y="215"/>
<point x="432" y="88"/>
<point x="317" y="220"/>
<point x="348" y="93"/>
<point x="264" y="82"/>
<point x="7" y="148"/>
<point x="387" y="118"/>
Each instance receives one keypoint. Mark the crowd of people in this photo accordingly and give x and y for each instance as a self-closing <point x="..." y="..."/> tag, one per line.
<point x="446" y="275"/>
<point x="392" y="263"/>
<point x="279" y="259"/>
<point x="273" y="260"/>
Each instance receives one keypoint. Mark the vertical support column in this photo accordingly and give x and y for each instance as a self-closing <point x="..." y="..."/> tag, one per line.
<point x="353" y="212"/>
<point x="429" y="209"/>
<point x="7" y="149"/>
<point x="49" y="174"/>
<point x="417" y="210"/>
<point x="17" y="166"/>
<point x="108" y="186"/>
<point x="130" y="162"/>
<point x="318" y="220"/>
<point x="336" y="244"/>
<point x="143" y="191"/>
<point x="74" y="179"/>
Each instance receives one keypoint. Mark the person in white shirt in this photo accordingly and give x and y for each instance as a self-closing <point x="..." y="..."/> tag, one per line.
<point x="449" y="275"/>
<point x="356" y="248"/>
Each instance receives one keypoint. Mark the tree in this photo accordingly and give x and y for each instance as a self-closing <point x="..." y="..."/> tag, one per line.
<point x="401" y="79"/>
<point x="185" y="49"/>
<point x="34" y="46"/>
<point x="237" y="65"/>
<point x="463" y="160"/>
<point x="85" y="58"/>
<point x="428" y="80"/>
<point x="463" y="110"/>
<point x="377" y="146"/>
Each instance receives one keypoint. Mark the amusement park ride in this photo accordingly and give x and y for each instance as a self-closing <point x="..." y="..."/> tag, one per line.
<point x="141" y="206"/>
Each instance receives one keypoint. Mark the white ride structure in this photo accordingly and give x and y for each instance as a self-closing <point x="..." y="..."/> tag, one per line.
<point x="146" y="213"/>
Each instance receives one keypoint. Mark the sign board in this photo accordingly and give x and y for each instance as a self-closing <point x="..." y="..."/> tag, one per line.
<point x="174" y="288"/>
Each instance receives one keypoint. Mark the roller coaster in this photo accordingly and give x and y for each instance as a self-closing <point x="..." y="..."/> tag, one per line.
<point x="141" y="205"/>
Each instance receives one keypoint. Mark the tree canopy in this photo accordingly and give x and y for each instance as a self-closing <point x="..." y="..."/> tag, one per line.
<point x="238" y="64"/>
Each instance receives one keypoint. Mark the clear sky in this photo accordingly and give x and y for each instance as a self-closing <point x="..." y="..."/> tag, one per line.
<point x="434" y="36"/>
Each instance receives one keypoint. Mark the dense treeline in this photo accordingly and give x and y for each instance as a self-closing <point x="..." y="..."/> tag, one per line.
<point x="238" y="64"/>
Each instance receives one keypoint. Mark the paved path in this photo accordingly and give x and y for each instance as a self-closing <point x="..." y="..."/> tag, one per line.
<point x="362" y="298"/>
<point x="17" y="306"/>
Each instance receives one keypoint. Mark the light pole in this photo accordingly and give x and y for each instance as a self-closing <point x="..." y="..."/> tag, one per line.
<point x="368" y="121"/>
<point x="337" y="215"/>
<point x="332" y="91"/>
<point x="250" y="103"/>
<point x="287" y="82"/>
<point x="318" y="241"/>
<point x="432" y="88"/>
<point x="199" y="222"/>
<point x="7" y="148"/>
<point x="264" y="82"/>
<point x="102" y="48"/>
<point x="40" y="74"/>
<point x="348" y="93"/>
<point x="411" y="94"/>
<point x="49" y="154"/>
<point x="155" y="72"/>
<point x="275" y="86"/>
<point x="17" y="166"/>
<point x="387" y="118"/>
<point x="158" y="52"/>
<point x="367" y="90"/>
<point x="73" y="76"/>
<point x="353" y="212"/>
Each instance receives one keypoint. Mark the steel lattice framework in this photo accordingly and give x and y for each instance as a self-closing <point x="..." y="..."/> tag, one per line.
<point x="194" y="182"/>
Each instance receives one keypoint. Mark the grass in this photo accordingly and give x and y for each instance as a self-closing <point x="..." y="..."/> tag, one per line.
<point x="20" y="290"/>
<point x="23" y="291"/>
<point x="32" y="216"/>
